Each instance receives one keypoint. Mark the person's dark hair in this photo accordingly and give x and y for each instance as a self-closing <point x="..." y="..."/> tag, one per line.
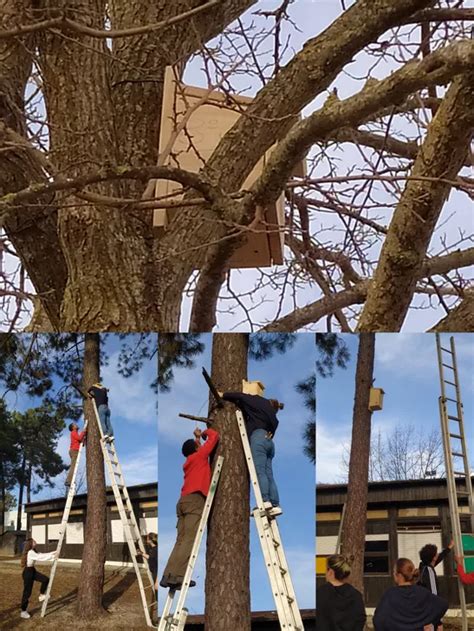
<point x="189" y="447"/>
<point x="276" y="404"/>
<point x="28" y="545"/>
<point x="340" y="565"/>
<point x="428" y="553"/>
<point x="152" y="538"/>
<point x="407" y="569"/>
<point x="71" y="426"/>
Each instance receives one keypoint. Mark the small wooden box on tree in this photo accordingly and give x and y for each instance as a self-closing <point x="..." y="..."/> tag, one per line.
<point x="253" y="387"/>
<point x="376" y="399"/>
<point x="193" y="121"/>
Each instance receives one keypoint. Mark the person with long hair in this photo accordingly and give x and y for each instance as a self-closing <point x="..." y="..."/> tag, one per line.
<point x="30" y="574"/>
<point x="339" y="605"/>
<point x="261" y="423"/>
<point x="406" y="606"/>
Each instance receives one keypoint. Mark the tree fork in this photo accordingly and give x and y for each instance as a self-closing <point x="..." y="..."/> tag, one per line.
<point x="228" y="537"/>
<point x="91" y="581"/>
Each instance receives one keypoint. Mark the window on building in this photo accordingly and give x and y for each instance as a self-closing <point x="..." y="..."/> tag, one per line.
<point x="376" y="557"/>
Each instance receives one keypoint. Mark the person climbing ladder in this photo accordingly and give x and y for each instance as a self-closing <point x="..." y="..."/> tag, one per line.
<point x="30" y="573"/>
<point x="76" y="439"/>
<point x="99" y="393"/>
<point x="197" y="479"/>
<point x="261" y="423"/>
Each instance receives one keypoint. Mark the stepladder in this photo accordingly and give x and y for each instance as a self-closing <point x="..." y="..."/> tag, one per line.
<point x="458" y="476"/>
<point x="278" y="571"/>
<point x="63" y="526"/>
<point x="131" y="528"/>
<point x="175" y="620"/>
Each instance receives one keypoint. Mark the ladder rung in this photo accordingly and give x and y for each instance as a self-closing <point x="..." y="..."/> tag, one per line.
<point x="456" y="436"/>
<point x="463" y="493"/>
<point x="460" y="473"/>
<point x="449" y="399"/>
<point x="450" y="383"/>
<point x="448" y="366"/>
<point x="446" y="350"/>
<point x="456" y="453"/>
<point x="454" y="418"/>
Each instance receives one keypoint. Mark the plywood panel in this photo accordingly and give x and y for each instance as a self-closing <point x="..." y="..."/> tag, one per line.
<point x="38" y="533"/>
<point x="410" y="543"/>
<point x="75" y="532"/>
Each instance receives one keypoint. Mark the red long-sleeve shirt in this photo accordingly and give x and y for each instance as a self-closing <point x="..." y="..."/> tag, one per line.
<point x="76" y="439"/>
<point x="197" y="470"/>
<point x="466" y="577"/>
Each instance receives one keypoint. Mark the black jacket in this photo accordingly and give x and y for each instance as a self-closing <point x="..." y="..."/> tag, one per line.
<point x="258" y="412"/>
<point x="428" y="576"/>
<point x="408" y="608"/>
<point x="100" y="395"/>
<point x="339" y="608"/>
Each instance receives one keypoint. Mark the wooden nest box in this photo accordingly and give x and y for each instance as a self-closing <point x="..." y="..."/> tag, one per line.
<point x="205" y="118"/>
<point x="253" y="387"/>
<point x="376" y="399"/>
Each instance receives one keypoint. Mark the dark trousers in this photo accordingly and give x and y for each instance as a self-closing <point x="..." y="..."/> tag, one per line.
<point x="73" y="453"/>
<point x="30" y="575"/>
<point x="189" y="510"/>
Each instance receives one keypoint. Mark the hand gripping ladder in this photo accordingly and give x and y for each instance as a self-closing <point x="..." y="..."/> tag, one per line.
<point x="63" y="527"/>
<point x="277" y="567"/>
<point x="176" y="621"/>
<point x="131" y="529"/>
<point x="455" y="450"/>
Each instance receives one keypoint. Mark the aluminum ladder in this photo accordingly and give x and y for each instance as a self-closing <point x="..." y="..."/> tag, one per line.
<point x="130" y="525"/>
<point x="63" y="527"/>
<point x="177" y="620"/>
<point x="278" y="571"/>
<point x="455" y="450"/>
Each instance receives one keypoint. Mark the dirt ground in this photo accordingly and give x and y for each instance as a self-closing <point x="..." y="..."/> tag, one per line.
<point x="121" y="601"/>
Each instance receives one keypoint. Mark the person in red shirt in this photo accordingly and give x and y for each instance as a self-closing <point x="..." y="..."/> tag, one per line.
<point x="76" y="439"/>
<point x="466" y="577"/>
<point x="197" y="480"/>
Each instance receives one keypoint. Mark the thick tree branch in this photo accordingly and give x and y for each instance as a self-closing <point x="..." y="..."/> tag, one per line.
<point x="441" y="15"/>
<point x="417" y="212"/>
<point x="460" y="319"/>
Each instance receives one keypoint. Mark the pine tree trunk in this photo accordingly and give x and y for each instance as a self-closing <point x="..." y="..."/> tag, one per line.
<point x="228" y="556"/>
<point x="20" y="493"/>
<point x="91" y="581"/>
<point x="28" y="485"/>
<point x="3" y="500"/>
<point x="353" y="531"/>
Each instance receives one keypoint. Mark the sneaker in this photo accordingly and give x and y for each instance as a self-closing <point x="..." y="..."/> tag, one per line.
<point x="267" y="505"/>
<point x="106" y="438"/>
<point x="275" y="511"/>
<point x="25" y="614"/>
<point x="110" y="439"/>
<point x="178" y="586"/>
<point x="42" y="597"/>
<point x="164" y="582"/>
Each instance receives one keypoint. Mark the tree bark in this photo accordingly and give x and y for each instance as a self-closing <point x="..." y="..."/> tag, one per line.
<point x="460" y="319"/>
<point x="442" y="156"/>
<point x="355" y="518"/>
<point x="20" y="492"/>
<point x="228" y="592"/>
<point x="91" y="581"/>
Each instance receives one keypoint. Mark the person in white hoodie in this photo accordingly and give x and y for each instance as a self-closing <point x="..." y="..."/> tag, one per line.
<point x="30" y="573"/>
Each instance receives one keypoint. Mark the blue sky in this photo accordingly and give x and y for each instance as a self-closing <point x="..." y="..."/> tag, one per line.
<point x="406" y="368"/>
<point x="293" y="471"/>
<point x="134" y="418"/>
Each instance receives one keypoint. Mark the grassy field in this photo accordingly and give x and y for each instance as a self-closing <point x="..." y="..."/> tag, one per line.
<point x="121" y="601"/>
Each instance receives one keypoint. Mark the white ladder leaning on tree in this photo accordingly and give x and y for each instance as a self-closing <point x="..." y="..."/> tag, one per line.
<point x="455" y="451"/>
<point x="127" y="516"/>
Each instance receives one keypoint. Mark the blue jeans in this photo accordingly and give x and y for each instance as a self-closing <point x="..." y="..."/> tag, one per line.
<point x="263" y="452"/>
<point x="104" y="417"/>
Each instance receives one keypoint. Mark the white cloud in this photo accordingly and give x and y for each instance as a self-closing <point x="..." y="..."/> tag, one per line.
<point x="329" y="450"/>
<point x="141" y="467"/>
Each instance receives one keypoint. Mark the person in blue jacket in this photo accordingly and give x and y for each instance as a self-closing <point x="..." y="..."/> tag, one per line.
<point x="406" y="606"/>
<point x="261" y="423"/>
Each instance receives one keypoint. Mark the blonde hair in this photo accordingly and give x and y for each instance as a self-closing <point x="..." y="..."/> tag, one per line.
<point x="26" y="548"/>
<point x="340" y="565"/>
<point x="406" y="568"/>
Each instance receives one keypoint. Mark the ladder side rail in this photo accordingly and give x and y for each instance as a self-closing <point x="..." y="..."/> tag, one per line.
<point x="440" y="365"/>
<point x="272" y="564"/>
<point x="248" y="457"/>
<point x="280" y="551"/>
<point x="198" y="538"/>
<point x="166" y="611"/>
<point x="127" y="530"/>
<point x="460" y="413"/>
<point x="128" y="507"/>
<point x="62" y="529"/>
<point x="339" y="532"/>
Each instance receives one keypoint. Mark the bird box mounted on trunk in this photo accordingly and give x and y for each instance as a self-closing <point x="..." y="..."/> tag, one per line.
<point x="376" y="399"/>
<point x="253" y="387"/>
<point x="193" y="121"/>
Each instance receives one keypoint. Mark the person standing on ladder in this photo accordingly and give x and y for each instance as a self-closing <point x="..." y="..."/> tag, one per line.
<point x="76" y="439"/>
<point x="197" y="479"/>
<point x="30" y="574"/>
<point x="261" y="423"/>
<point x="99" y="393"/>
